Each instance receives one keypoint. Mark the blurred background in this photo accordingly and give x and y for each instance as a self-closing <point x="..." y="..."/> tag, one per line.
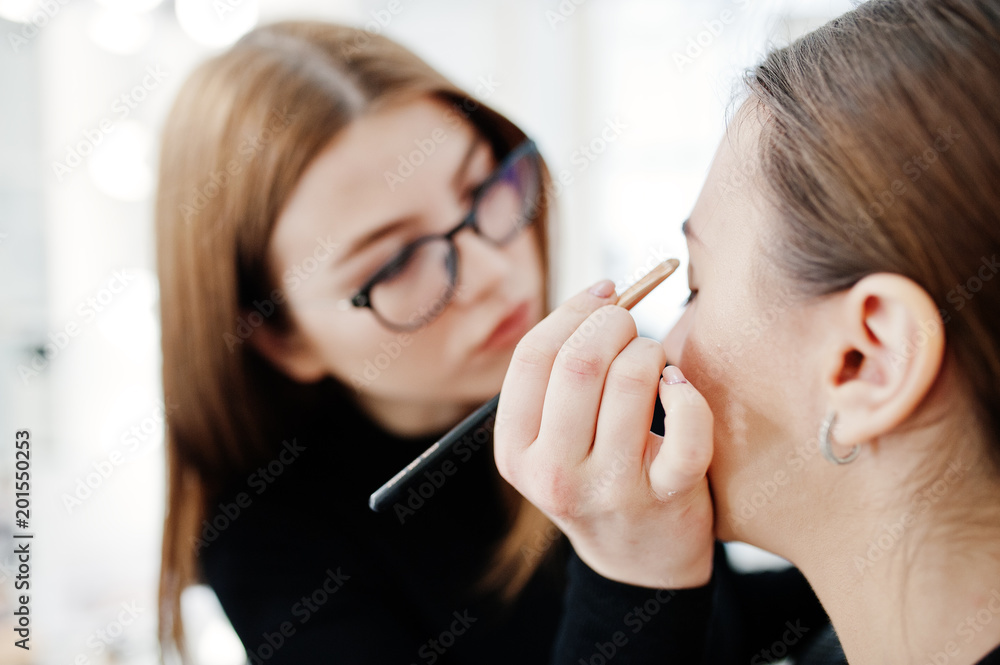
<point x="627" y="97"/>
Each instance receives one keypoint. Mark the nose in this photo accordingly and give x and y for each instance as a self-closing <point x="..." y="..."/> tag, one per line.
<point x="673" y="343"/>
<point x="482" y="267"/>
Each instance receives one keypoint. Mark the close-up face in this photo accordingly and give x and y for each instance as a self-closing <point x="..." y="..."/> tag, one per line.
<point x="747" y="341"/>
<point x="386" y="180"/>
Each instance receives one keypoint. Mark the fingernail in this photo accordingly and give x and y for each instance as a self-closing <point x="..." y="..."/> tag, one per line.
<point x="672" y="374"/>
<point x="603" y="288"/>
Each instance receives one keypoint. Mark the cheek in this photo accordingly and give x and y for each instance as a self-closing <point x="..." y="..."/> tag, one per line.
<point x="526" y="251"/>
<point x="355" y="348"/>
<point x="729" y="362"/>
<point x="753" y="374"/>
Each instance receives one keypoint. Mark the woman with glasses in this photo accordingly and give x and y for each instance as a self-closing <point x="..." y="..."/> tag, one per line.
<point x="349" y="248"/>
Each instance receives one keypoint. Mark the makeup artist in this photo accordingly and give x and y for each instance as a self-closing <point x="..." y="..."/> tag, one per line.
<point x="349" y="248"/>
<point x="862" y="428"/>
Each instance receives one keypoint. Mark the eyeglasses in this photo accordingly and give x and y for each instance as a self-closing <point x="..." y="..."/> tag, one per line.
<point x="414" y="286"/>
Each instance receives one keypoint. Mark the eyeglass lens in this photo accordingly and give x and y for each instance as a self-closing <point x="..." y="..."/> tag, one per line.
<point x="423" y="282"/>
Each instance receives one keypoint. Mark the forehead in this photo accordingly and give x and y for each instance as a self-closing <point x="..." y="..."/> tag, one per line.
<point x="383" y="166"/>
<point x="730" y="208"/>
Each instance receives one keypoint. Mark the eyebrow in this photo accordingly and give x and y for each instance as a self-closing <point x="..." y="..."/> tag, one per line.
<point x="474" y="144"/>
<point x="381" y="232"/>
<point x="689" y="232"/>
<point x="397" y="225"/>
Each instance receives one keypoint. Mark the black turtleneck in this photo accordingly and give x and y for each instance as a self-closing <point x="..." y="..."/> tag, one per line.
<point x="308" y="574"/>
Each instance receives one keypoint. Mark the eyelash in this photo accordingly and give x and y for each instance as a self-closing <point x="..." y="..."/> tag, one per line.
<point x="691" y="295"/>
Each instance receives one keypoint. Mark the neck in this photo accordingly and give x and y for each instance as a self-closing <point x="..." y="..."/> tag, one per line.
<point x="918" y="583"/>
<point x="412" y="419"/>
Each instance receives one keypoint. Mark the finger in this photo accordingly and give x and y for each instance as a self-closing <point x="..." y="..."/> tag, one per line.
<point x="683" y="458"/>
<point x="573" y="398"/>
<point x="522" y="396"/>
<point x="627" y="408"/>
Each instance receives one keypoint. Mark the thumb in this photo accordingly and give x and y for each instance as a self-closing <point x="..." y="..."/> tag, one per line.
<point x="683" y="458"/>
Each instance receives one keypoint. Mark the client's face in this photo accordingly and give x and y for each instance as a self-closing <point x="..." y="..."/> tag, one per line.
<point x="387" y="179"/>
<point x="744" y="342"/>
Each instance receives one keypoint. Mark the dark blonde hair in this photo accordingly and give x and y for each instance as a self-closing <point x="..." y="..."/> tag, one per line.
<point x="880" y="149"/>
<point x="243" y="129"/>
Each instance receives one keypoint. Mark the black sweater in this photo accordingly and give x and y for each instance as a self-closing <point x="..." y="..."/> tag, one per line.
<point x="308" y="574"/>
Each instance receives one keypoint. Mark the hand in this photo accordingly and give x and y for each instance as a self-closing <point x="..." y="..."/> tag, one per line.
<point x="572" y="435"/>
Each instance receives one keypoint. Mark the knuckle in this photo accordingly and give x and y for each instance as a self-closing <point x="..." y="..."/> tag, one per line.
<point x="637" y="369"/>
<point x="684" y="399"/>
<point x="552" y="491"/>
<point x="530" y="356"/>
<point x="652" y="351"/>
<point x="578" y="308"/>
<point x="607" y="319"/>
<point x="580" y="364"/>
<point x="631" y="377"/>
<point x="690" y="462"/>
<point x="688" y="410"/>
<point x="618" y="317"/>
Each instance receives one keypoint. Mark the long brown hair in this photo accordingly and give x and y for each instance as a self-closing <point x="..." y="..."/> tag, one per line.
<point x="244" y="127"/>
<point x="880" y="149"/>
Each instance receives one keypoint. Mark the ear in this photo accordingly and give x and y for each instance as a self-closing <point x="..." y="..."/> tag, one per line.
<point x="889" y="346"/>
<point x="290" y="352"/>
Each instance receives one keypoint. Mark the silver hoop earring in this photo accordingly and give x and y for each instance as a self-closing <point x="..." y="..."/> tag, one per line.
<point x="826" y="441"/>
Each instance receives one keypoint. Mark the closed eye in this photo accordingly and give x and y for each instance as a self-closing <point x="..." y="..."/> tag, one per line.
<point x="691" y="295"/>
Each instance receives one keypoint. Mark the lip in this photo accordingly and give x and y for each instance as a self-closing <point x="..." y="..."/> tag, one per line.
<point x="510" y="329"/>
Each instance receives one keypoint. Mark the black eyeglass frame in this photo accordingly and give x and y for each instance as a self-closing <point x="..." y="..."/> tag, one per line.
<point x="363" y="296"/>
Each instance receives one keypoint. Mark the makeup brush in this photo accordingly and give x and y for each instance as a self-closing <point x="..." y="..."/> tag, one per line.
<point x="477" y="427"/>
